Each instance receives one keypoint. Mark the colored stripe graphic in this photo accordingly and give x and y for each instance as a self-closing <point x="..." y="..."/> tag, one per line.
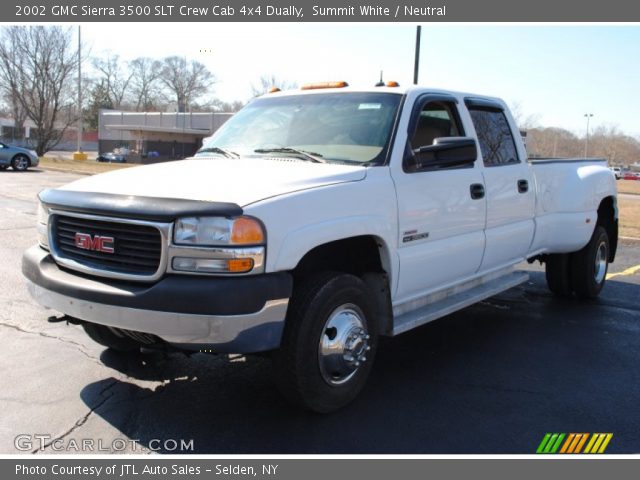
<point x="550" y="443"/>
<point x="581" y="443"/>
<point x="574" y="443"/>
<point x="598" y="443"/>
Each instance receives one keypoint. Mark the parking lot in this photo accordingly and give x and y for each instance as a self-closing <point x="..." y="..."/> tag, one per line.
<point x="493" y="378"/>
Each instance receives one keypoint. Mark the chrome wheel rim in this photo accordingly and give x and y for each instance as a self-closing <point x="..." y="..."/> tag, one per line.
<point x="601" y="263"/>
<point x="344" y="343"/>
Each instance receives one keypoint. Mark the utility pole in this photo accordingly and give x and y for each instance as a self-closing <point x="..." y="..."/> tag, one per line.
<point x="586" y="143"/>
<point x="416" y="65"/>
<point x="79" y="154"/>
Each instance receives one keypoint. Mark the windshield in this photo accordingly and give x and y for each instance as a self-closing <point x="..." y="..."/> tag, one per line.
<point x="331" y="127"/>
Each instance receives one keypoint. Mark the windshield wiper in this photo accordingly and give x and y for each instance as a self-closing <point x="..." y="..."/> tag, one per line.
<point x="312" y="156"/>
<point x="223" y="151"/>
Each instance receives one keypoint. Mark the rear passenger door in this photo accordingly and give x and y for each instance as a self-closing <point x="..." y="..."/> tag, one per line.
<point x="510" y="191"/>
<point x="441" y="211"/>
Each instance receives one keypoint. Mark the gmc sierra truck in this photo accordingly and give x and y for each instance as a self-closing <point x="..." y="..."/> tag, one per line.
<point x="313" y="222"/>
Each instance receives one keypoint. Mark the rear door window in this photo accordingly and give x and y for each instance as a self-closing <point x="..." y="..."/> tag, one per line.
<point x="494" y="135"/>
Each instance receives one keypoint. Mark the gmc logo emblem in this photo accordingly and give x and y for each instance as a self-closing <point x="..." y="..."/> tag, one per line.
<point x="95" y="243"/>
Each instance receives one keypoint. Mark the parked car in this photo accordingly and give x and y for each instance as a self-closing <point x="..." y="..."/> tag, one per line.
<point x="17" y="158"/>
<point x="316" y="220"/>
<point x="111" y="157"/>
<point x="631" y="176"/>
<point x="617" y="171"/>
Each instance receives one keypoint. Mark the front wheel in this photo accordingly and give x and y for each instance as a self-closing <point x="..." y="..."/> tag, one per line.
<point x="20" y="163"/>
<point x="589" y="265"/>
<point x="328" y="344"/>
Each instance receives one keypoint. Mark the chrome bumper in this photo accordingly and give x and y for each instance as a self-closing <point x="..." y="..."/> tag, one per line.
<point x="246" y="333"/>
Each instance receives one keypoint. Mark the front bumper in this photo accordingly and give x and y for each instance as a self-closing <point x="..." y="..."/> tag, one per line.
<point x="239" y="315"/>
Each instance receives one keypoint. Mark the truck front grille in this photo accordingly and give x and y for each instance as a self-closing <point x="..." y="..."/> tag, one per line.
<point x="129" y="248"/>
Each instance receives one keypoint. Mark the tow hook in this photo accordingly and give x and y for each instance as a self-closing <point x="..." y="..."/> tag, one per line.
<point x="64" y="318"/>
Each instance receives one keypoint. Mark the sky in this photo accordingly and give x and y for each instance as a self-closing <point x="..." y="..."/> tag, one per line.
<point x="556" y="74"/>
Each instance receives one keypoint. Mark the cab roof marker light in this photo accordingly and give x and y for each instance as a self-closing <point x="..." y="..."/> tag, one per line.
<point x="392" y="83"/>
<point x="273" y="90"/>
<point x="319" y="85"/>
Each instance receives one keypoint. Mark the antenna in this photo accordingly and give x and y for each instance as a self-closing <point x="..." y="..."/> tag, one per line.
<point x="381" y="82"/>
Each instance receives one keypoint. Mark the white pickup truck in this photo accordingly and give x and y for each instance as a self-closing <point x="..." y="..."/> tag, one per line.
<point x="315" y="221"/>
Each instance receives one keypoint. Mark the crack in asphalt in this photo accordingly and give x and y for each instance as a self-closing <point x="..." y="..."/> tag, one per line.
<point x="16" y="228"/>
<point x="78" y="346"/>
<point x="82" y="420"/>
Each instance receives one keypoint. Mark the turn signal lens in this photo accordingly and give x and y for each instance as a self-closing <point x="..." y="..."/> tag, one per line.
<point x="239" y="265"/>
<point x="246" y="230"/>
<point x="212" y="265"/>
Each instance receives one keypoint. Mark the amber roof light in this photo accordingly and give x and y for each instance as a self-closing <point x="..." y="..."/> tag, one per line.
<point x="318" y="85"/>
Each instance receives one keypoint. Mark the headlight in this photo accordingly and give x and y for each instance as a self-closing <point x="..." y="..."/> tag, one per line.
<point x="218" y="231"/>
<point x="42" y="227"/>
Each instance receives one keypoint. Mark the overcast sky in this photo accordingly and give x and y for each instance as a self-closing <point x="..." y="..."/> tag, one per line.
<point x="556" y="73"/>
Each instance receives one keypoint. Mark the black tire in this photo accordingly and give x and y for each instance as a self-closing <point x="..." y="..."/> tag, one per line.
<point x="20" y="162"/>
<point x="558" y="273"/>
<point x="107" y="338"/>
<point x="589" y="265"/>
<point x="326" y="383"/>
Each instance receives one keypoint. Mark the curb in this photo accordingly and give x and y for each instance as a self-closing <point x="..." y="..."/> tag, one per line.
<point x="66" y="170"/>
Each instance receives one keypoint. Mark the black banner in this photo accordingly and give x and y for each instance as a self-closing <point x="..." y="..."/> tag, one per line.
<point x="416" y="11"/>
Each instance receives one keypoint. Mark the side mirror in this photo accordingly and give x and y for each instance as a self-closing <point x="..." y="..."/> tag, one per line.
<point x="447" y="152"/>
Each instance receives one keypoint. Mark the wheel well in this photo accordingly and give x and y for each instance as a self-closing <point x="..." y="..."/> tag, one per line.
<point x="608" y="218"/>
<point x="363" y="256"/>
<point x="355" y="255"/>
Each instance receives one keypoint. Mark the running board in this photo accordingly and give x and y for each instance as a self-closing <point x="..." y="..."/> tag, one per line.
<point x="457" y="301"/>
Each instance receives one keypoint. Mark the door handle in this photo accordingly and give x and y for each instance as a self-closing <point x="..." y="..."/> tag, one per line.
<point x="523" y="186"/>
<point x="477" y="191"/>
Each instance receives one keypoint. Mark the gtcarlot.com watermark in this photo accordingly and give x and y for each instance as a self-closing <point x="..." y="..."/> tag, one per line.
<point x="29" y="443"/>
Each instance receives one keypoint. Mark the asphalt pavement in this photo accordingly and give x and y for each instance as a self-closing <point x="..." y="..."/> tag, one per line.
<point x="493" y="378"/>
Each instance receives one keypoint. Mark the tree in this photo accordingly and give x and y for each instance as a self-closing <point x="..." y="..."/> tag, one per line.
<point x="37" y="64"/>
<point x="145" y="85"/>
<point x="98" y="99"/>
<point x="17" y="111"/>
<point x="265" y="82"/>
<point x="227" y="107"/>
<point x="524" y="122"/>
<point x="114" y="79"/>
<point x="186" y="81"/>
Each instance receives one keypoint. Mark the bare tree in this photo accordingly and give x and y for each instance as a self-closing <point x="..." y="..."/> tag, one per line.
<point x="265" y="82"/>
<point x="145" y="87"/>
<point x="228" y="107"/>
<point x="524" y="121"/>
<point x="186" y="81"/>
<point x="97" y="100"/>
<point x="37" y="64"/>
<point x="115" y="79"/>
<point x="17" y="111"/>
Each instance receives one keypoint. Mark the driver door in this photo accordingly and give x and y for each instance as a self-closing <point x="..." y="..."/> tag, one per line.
<point x="442" y="211"/>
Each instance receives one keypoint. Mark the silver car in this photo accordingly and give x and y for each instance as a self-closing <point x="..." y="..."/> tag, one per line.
<point x="18" y="158"/>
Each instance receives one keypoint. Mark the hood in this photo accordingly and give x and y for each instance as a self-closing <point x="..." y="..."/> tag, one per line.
<point x="240" y="181"/>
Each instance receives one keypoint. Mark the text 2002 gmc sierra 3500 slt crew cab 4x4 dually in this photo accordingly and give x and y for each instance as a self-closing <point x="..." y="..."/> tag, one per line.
<point x="314" y="221"/>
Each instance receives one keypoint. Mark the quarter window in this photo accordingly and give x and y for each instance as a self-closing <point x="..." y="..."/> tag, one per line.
<point x="495" y="137"/>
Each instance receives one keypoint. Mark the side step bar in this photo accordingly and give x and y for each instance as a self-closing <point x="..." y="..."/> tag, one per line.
<point x="457" y="301"/>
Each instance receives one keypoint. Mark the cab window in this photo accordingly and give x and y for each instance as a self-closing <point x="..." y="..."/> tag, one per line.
<point x="494" y="135"/>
